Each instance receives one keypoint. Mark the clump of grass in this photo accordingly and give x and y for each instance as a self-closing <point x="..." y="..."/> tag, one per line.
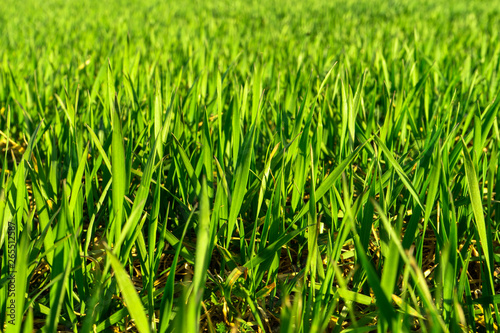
<point x="249" y="167"/>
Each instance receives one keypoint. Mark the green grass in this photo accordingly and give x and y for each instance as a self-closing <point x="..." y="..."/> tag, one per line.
<point x="249" y="166"/>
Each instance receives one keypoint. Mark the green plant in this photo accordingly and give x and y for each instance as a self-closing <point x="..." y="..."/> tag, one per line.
<point x="277" y="166"/>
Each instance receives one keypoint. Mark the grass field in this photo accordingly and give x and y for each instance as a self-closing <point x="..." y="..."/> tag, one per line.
<point x="241" y="166"/>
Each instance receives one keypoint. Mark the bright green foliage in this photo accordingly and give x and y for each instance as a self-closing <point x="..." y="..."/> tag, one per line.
<point x="310" y="166"/>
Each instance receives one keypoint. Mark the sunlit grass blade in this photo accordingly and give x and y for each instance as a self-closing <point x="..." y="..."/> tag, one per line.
<point x="168" y="292"/>
<point x="404" y="178"/>
<point x="201" y="261"/>
<point x="118" y="169"/>
<point x="98" y="145"/>
<point x="477" y="208"/>
<point x="241" y="179"/>
<point x="132" y="300"/>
